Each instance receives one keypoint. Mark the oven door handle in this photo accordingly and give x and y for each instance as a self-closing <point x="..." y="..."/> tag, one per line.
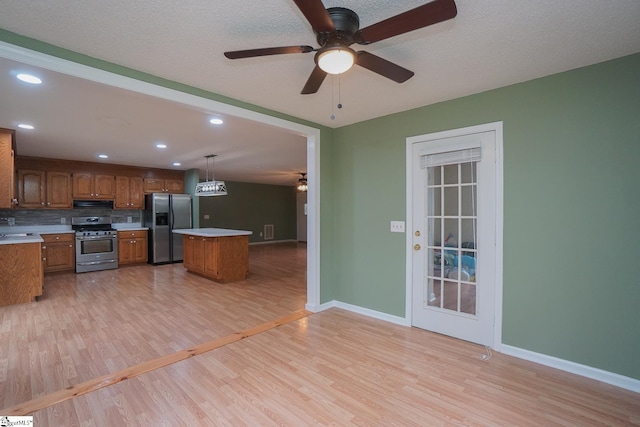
<point x="102" y="261"/>
<point x="95" y="237"/>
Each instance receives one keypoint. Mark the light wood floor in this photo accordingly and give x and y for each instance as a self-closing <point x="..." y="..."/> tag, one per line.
<point x="331" y="368"/>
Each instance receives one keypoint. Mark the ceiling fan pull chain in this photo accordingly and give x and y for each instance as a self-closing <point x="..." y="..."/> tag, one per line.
<point x="333" y="116"/>
<point x="339" y="91"/>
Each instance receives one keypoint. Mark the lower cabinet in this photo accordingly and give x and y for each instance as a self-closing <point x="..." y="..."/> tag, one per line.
<point x="223" y="259"/>
<point x="21" y="272"/>
<point x="132" y="247"/>
<point x="58" y="252"/>
<point x="193" y="253"/>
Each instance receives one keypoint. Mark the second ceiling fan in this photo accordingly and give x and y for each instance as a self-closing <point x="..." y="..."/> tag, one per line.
<point x="337" y="28"/>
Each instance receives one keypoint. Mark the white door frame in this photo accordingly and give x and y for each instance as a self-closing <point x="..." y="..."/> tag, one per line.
<point x="312" y="135"/>
<point x="497" y="128"/>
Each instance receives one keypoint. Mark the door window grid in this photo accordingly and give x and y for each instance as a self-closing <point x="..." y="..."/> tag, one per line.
<point x="451" y="260"/>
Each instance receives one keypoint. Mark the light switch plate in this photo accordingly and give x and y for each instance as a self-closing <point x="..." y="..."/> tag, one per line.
<point x="397" y="226"/>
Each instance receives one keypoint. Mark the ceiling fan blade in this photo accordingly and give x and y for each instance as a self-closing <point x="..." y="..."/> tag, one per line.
<point x="383" y="67"/>
<point x="316" y="14"/>
<point x="315" y="80"/>
<point x="422" y="16"/>
<point x="250" y="53"/>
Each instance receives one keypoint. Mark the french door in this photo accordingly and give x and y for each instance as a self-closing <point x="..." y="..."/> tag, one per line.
<point x="453" y="254"/>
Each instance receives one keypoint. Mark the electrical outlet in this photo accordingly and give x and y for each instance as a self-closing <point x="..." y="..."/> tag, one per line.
<point x="128" y="219"/>
<point x="397" y="226"/>
<point x="11" y="221"/>
<point x="63" y="220"/>
<point x="206" y="216"/>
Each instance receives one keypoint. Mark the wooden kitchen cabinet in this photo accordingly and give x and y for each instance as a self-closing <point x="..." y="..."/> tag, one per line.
<point x="7" y="153"/>
<point x="129" y="193"/>
<point x="132" y="247"/>
<point x="90" y="186"/>
<point x="58" y="252"/>
<point x="162" y="185"/>
<point x="40" y="189"/>
<point x="193" y="253"/>
<point x="21" y="272"/>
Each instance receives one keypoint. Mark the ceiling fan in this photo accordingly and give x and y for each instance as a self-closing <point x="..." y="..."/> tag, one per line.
<point x="337" y="28"/>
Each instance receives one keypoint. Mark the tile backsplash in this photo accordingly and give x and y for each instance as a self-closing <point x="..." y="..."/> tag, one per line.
<point x="25" y="217"/>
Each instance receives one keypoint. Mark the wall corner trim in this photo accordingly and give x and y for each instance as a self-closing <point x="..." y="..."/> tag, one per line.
<point x="360" y="310"/>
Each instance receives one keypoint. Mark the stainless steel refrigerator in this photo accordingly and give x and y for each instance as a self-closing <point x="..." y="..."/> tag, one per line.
<point x="163" y="214"/>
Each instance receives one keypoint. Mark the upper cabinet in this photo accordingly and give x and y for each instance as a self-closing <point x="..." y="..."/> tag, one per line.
<point x="166" y="185"/>
<point x="56" y="183"/>
<point x="40" y="189"/>
<point x="90" y="186"/>
<point x="129" y="193"/>
<point x="7" y="149"/>
<point x="59" y="190"/>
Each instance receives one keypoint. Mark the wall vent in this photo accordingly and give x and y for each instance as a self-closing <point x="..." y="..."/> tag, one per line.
<point x="268" y="232"/>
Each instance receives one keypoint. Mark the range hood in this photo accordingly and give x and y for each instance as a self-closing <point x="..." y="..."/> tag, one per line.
<point x="89" y="204"/>
<point x="210" y="188"/>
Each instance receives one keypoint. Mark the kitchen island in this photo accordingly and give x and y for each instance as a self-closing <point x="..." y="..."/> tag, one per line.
<point x="219" y="254"/>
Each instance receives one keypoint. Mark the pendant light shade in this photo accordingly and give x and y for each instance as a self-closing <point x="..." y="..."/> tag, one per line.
<point x="213" y="187"/>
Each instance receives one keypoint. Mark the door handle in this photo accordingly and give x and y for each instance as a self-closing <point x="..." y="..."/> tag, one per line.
<point x="416" y="247"/>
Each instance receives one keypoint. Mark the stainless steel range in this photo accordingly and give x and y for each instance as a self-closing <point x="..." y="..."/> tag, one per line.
<point x="96" y="243"/>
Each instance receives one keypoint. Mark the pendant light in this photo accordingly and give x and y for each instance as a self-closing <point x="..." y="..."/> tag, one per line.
<point x="213" y="187"/>
<point x="302" y="183"/>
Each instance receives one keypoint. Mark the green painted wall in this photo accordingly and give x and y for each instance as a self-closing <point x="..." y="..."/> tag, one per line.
<point x="249" y="207"/>
<point x="571" y="228"/>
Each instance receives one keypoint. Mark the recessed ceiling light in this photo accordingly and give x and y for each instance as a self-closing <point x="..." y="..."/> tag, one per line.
<point x="25" y="126"/>
<point x="28" y="78"/>
<point x="103" y="156"/>
<point x="161" y="145"/>
<point x="216" y="121"/>
<point x="177" y="164"/>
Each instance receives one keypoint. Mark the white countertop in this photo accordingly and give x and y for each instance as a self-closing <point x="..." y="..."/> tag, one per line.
<point x="15" y="239"/>
<point x="213" y="232"/>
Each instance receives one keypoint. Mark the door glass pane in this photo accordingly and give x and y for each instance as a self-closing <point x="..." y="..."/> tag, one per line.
<point x="435" y="234"/>
<point x="467" y="172"/>
<point x="435" y="177"/>
<point x="450" y="295"/>
<point x="433" y="295"/>
<point x="450" y="232"/>
<point x="469" y="200"/>
<point x="450" y="174"/>
<point x="451" y="201"/>
<point x="434" y="204"/>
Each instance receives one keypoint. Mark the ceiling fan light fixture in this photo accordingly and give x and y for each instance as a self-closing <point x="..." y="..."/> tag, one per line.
<point x="336" y="60"/>
<point x="302" y="183"/>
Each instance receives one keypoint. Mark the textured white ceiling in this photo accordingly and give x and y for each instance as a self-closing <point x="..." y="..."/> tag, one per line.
<point x="491" y="43"/>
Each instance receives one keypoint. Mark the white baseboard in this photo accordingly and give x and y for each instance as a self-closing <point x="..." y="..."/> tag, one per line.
<point x="553" y="362"/>
<point x="360" y="310"/>
<point x="572" y="367"/>
<point x="268" y="242"/>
